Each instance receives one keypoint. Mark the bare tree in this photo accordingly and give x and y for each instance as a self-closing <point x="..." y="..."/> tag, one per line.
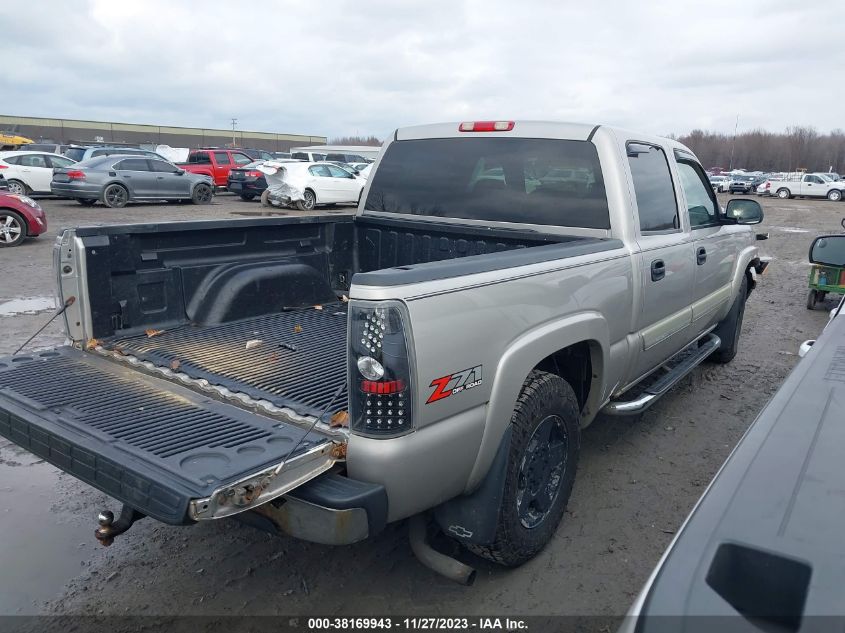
<point x="798" y="147"/>
<point x="356" y="140"/>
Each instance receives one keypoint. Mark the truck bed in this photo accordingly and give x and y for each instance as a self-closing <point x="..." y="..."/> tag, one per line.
<point x="296" y="359"/>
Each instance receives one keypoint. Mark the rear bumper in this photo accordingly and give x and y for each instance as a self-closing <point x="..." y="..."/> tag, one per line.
<point x="245" y="187"/>
<point x="331" y="509"/>
<point x="75" y="189"/>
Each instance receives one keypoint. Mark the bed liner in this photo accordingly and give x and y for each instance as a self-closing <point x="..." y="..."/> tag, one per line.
<point x="295" y="359"/>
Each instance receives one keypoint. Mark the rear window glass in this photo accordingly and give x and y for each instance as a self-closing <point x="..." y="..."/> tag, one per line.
<point x="75" y="153"/>
<point x="526" y="180"/>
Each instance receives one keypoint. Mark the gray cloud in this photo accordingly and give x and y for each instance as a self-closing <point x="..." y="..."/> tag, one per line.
<point x="340" y="67"/>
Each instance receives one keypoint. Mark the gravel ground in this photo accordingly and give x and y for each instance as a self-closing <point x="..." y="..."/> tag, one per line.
<point x="638" y="480"/>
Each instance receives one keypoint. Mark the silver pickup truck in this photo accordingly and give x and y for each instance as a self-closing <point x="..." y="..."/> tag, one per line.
<point x="501" y="284"/>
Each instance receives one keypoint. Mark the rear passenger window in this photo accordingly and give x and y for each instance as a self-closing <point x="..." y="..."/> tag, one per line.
<point x="222" y="158"/>
<point x="700" y="204"/>
<point x="656" y="203"/>
<point x="132" y="164"/>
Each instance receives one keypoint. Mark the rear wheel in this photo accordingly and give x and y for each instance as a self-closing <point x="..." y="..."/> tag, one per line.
<point x="835" y="195"/>
<point x="87" y="202"/>
<point x="202" y="194"/>
<point x="308" y="202"/>
<point x="12" y="228"/>
<point x="783" y="194"/>
<point x="540" y="472"/>
<point x="17" y="187"/>
<point x="115" y="196"/>
<point x="247" y="196"/>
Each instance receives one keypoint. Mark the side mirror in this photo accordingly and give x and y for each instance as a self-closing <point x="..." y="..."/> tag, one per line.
<point x="743" y="211"/>
<point x="828" y="250"/>
<point x="179" y="172"/>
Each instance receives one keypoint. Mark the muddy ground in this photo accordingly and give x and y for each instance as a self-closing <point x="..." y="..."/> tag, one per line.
<point x="638" y="479"/>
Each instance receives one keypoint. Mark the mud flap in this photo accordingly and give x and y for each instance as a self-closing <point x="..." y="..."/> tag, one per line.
<point x="473" y="518"/>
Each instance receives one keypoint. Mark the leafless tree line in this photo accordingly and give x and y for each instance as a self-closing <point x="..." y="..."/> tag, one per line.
<point x="356" y="140"/>
<point x="798" y="148"/>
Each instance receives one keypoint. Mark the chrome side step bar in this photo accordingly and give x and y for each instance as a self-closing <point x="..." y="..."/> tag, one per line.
<point x="659" y="387"/>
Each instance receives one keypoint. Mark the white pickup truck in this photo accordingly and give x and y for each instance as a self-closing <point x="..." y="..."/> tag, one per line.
<point x="808" y="186"/>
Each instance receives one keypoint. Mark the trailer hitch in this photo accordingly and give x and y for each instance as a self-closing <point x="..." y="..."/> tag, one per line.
<point x="109" y="528"/>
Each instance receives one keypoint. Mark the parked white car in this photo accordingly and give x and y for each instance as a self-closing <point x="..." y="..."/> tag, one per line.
<point x="308" y="184"/>
<point x="720" y="183"/>
<point x="30" y="172"/>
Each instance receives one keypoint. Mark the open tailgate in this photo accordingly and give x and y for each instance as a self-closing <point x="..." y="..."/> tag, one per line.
<point x="150" y="443"/>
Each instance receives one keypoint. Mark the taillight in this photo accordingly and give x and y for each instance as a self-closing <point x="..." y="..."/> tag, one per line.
<point x="486" y="126"/>
<point x="381" y="404"/>
<point x="4" y="166"/>
<point x="768" y="184"/>
<point x="75" y="174"/>
<point x="254" y="174"/>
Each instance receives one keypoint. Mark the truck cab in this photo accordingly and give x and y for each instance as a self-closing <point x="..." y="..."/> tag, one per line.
<point x="216" y="163"/>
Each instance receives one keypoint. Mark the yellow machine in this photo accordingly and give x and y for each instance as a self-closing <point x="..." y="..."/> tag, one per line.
<point x="10" y="141"/>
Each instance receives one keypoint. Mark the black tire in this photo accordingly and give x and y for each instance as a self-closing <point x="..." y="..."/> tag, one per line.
<point x="730" y="327"/>
<point x="783" y="193"/>
<point x="308" y="202"/>
<point x="87" y="202"/>
<point x="115" y="196"/>
<point x="834" y="195"/>
<point x="812" y="299"/>
<point x="247" y="197"/>
<point x="546" y="402"/>
<point x="17" y="187"/>
<point x="202" y="194"/>
<point x="12" y="228"/>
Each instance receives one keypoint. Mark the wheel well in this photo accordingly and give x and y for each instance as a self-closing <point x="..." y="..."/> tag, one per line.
<point x="575" y="365"/>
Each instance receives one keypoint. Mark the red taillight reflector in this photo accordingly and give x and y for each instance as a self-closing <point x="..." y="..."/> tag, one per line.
<point x="75" y="174"/>
<point x="387" y="386"/>
<point x="254" y="174"/>
<point x="4" y="167"/>
<point x="486" y="126"/>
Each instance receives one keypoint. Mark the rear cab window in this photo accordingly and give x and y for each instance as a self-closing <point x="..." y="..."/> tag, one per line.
<point x="657" y="205"/>
<point x="521" y="180"/>
<point x="200" y="158"/>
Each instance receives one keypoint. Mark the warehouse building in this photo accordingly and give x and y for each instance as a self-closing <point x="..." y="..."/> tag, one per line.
<point x="86" y="132"/>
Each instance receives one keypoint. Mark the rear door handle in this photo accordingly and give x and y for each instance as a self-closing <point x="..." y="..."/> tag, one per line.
<point x="701" y="256"/>
<point x="658" y="270"/>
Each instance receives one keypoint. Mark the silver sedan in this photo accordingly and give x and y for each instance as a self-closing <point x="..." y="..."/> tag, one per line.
<point x="118" y="180"/>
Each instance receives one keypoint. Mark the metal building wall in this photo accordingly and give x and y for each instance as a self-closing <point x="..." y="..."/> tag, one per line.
<point x="67" y="130"/>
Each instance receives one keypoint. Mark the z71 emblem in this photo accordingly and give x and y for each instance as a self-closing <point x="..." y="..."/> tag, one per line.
<point x="454" y="383"/>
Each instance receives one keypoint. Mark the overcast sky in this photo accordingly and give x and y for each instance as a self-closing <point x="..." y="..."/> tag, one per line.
<point x="334" y="67"/>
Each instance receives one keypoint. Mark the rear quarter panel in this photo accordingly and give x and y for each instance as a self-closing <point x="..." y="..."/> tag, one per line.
<point x="499" y="326"/>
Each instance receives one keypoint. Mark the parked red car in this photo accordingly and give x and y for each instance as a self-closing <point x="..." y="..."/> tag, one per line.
<point x="20" y="217"/>
<point x="215" y="163"/>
